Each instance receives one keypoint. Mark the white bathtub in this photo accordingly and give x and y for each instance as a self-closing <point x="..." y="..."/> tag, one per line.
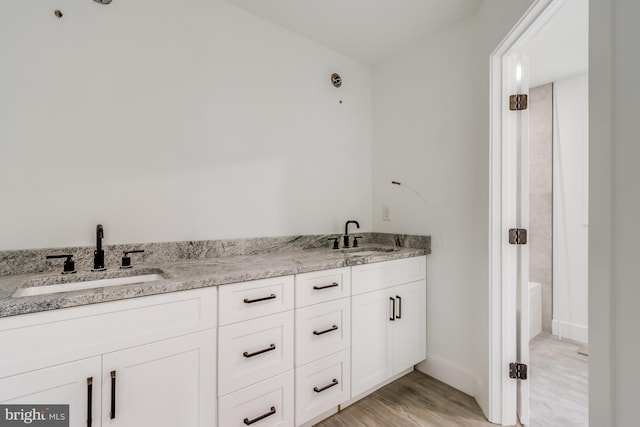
<point x="535" y="309"/>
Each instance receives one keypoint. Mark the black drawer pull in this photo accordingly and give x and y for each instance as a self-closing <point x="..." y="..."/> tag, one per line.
<point x="333" y="328"/>
<point x="113" y="395"/>
<point x="248" y="422"/>
<point x="247" y="355"/>
<point x="321" y="389"/>
<point x="393" y="312"/>
<point x="251" y="301"/>
<point x="332" y="285"/>
<point x="89" y="400"/>
<point x="399" y="316"/>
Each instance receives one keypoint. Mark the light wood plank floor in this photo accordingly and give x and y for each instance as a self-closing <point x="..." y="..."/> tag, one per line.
<point x="415" y="400"/>
<point x="559" y="383"/>
<point x="559" y="396"/>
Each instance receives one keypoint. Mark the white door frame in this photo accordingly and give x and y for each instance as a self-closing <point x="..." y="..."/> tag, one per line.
<point x="503" y="204"/>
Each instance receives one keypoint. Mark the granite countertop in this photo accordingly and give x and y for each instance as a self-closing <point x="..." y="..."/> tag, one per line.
<point x="184" y="275"/>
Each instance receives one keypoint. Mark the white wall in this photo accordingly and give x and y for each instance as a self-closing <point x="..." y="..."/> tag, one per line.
<point x="561" y="48"/>
<point x="431" y="132"/>
<point x="570" y="205"/>
<point x="614" y="206"/>
<point x="168" y="120"/>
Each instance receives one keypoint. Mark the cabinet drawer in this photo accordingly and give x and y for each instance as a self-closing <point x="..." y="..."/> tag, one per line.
<point x="322" y="286"/>
<point x="322" y="385"/>
<point x="322" y="329"/>
<point x="254" y="350"/>
<point x="271" y="400"/>
<point x="48" y="338"/>
<point x="249" y="300"/>
<point x="380" y="275"/>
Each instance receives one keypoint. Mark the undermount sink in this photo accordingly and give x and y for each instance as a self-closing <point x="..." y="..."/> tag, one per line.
<point x="367" y="251"/>
<point x="51" y="285"/>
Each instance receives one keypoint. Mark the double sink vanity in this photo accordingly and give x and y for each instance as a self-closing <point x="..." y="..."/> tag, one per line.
<point x="281" y="336"/>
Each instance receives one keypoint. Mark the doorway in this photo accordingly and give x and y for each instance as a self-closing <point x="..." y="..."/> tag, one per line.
<point x="511" y="67"/>
<point x="558" y="239"/>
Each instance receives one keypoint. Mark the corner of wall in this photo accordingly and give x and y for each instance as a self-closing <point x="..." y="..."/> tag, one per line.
<point x="449" y="373"/>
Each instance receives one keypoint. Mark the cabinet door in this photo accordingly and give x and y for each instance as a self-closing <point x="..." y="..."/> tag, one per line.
<point x="371" y="350"/>
<point x="75" y="384"/>
<point x="163" y="384"/>
<point x="409" y="334"/>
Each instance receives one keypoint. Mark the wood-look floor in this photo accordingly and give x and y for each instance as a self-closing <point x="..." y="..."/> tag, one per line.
<point x="559" y="396"/>
<point x="413" y="400"/>
<point x="559" y="383"/>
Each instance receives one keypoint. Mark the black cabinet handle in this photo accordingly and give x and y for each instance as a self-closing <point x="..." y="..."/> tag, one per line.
<point x="113" y="395"/>
<point x="321" y="389"/>
<point x="332" y="285"/>
<point x="248" y="422"/>
<point x="248" y="355"/>
<point x="89" y="400"/>
<point x="333" y="328"/>
<point x="251" y="301"/>
<point x="399" y="316"/>
<point x="393" y="310"/>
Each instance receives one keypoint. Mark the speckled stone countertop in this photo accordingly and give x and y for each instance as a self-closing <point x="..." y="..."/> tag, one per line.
<point x="194" y="271"/>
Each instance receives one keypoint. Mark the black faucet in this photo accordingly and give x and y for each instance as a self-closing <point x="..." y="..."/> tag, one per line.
<point x="346" y="232"/>
<point x="98" y="254"/>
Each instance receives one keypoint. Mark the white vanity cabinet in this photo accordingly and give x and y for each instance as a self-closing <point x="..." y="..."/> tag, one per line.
<point x="273" y="352"/>
<point x="256" y="353"/>
<point x="388" y="314"/>
<point x="323" y="341"/>
<point x="135" y="362"/>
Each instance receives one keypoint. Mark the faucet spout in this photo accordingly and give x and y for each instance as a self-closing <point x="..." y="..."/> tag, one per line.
<point x="346" y="226"/>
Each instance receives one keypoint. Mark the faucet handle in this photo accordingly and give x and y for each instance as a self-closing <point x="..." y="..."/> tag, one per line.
<point x="335" y="242"/>
<point x="355" y="241"/>
<point x="126" y="259"/>
<point x="69" y="264"/>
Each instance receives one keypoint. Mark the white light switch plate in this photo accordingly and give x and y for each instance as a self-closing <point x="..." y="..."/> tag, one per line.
<point x="386" y="213"/>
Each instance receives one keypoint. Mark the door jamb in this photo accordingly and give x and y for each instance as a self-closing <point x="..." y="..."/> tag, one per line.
<point x="502" y="210"/>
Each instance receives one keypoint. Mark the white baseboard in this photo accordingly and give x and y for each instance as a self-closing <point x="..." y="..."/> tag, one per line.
<point x="481" y="395"/>
<point x="449" y="373"/>
<point x="570" y="330"/>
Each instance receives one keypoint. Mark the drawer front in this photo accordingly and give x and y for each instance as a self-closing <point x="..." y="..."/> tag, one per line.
<point x="48" y="338"/>
<point x="268" y="403"/>
<point x="254" y="350"/>
<point x="380" y="275"/>
<point x="322" y="286"/>
<point x="249" y="300"/>
<point x="322" y="329"/>
<point x="322" y="385"/>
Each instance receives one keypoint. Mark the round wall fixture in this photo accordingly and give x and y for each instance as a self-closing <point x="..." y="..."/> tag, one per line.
<point x="336" y="79"/>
